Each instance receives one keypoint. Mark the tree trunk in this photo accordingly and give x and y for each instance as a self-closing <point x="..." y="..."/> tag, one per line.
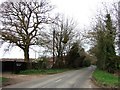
<point x="26" y="57"/>
<point x="53" y="49"/>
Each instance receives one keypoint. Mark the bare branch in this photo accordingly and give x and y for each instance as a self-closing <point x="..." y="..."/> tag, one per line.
<point x="23" y="21"/>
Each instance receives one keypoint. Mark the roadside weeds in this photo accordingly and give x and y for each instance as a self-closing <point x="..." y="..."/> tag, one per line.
<point x="102" y="81"/>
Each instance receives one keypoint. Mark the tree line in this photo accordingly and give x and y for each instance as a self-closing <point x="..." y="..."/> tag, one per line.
<point x="27" y="23"/>
<point x="105" y="36"/>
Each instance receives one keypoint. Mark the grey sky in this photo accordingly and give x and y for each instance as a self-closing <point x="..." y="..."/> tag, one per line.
<point x="80" y="10"/>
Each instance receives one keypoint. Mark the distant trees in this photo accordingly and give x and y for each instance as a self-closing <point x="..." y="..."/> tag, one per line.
<point x="75" y="56"/>
<point x="22" y="23"/>
<point x="63" y="42"/>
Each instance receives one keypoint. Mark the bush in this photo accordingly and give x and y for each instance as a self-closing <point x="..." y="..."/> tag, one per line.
<point x="40" y="63"/>
<point x="75" y="56"/>
<point x="113" y="64"/>
<point x="88" y="60"/>
<point x="86" y="63"/>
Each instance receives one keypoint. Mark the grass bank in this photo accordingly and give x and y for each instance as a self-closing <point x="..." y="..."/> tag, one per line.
<point x="105" y="79"/>
<point x="2" y="79"/>
<point x="43" y="71"/>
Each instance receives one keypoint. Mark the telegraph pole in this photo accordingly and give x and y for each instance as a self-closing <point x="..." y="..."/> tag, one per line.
<point x="53" y="47"/>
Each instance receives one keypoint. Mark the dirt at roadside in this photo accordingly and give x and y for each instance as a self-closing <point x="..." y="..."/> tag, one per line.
<point x="14" y="78"/>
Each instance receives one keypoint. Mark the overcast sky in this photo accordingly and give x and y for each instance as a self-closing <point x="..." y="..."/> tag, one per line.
<point x="81" y="10"/>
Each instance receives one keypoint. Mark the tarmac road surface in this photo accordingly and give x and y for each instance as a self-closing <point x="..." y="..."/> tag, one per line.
<point x="70" y="79"/>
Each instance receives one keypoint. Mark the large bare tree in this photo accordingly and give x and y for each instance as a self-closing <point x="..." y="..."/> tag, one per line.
<point x="22" y="22"/>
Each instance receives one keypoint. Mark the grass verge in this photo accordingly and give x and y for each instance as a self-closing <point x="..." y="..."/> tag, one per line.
<point x="105" y="79"/>
<point x="43" y="71"/>
<point x="2" y="79"/>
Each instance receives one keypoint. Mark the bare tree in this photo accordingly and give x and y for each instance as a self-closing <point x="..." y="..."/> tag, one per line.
<point x="63" y="36"/>
<point x="22" y="23"/>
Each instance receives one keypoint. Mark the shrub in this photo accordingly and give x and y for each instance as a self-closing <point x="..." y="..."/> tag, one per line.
<point x="113" y="64"/>
<point x="86" y="63"/>
<point x="75" y="56"/>
<point x="40" y="63"/>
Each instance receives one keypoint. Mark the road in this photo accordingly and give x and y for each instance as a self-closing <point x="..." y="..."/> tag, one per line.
<point x="70" y="79"/>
